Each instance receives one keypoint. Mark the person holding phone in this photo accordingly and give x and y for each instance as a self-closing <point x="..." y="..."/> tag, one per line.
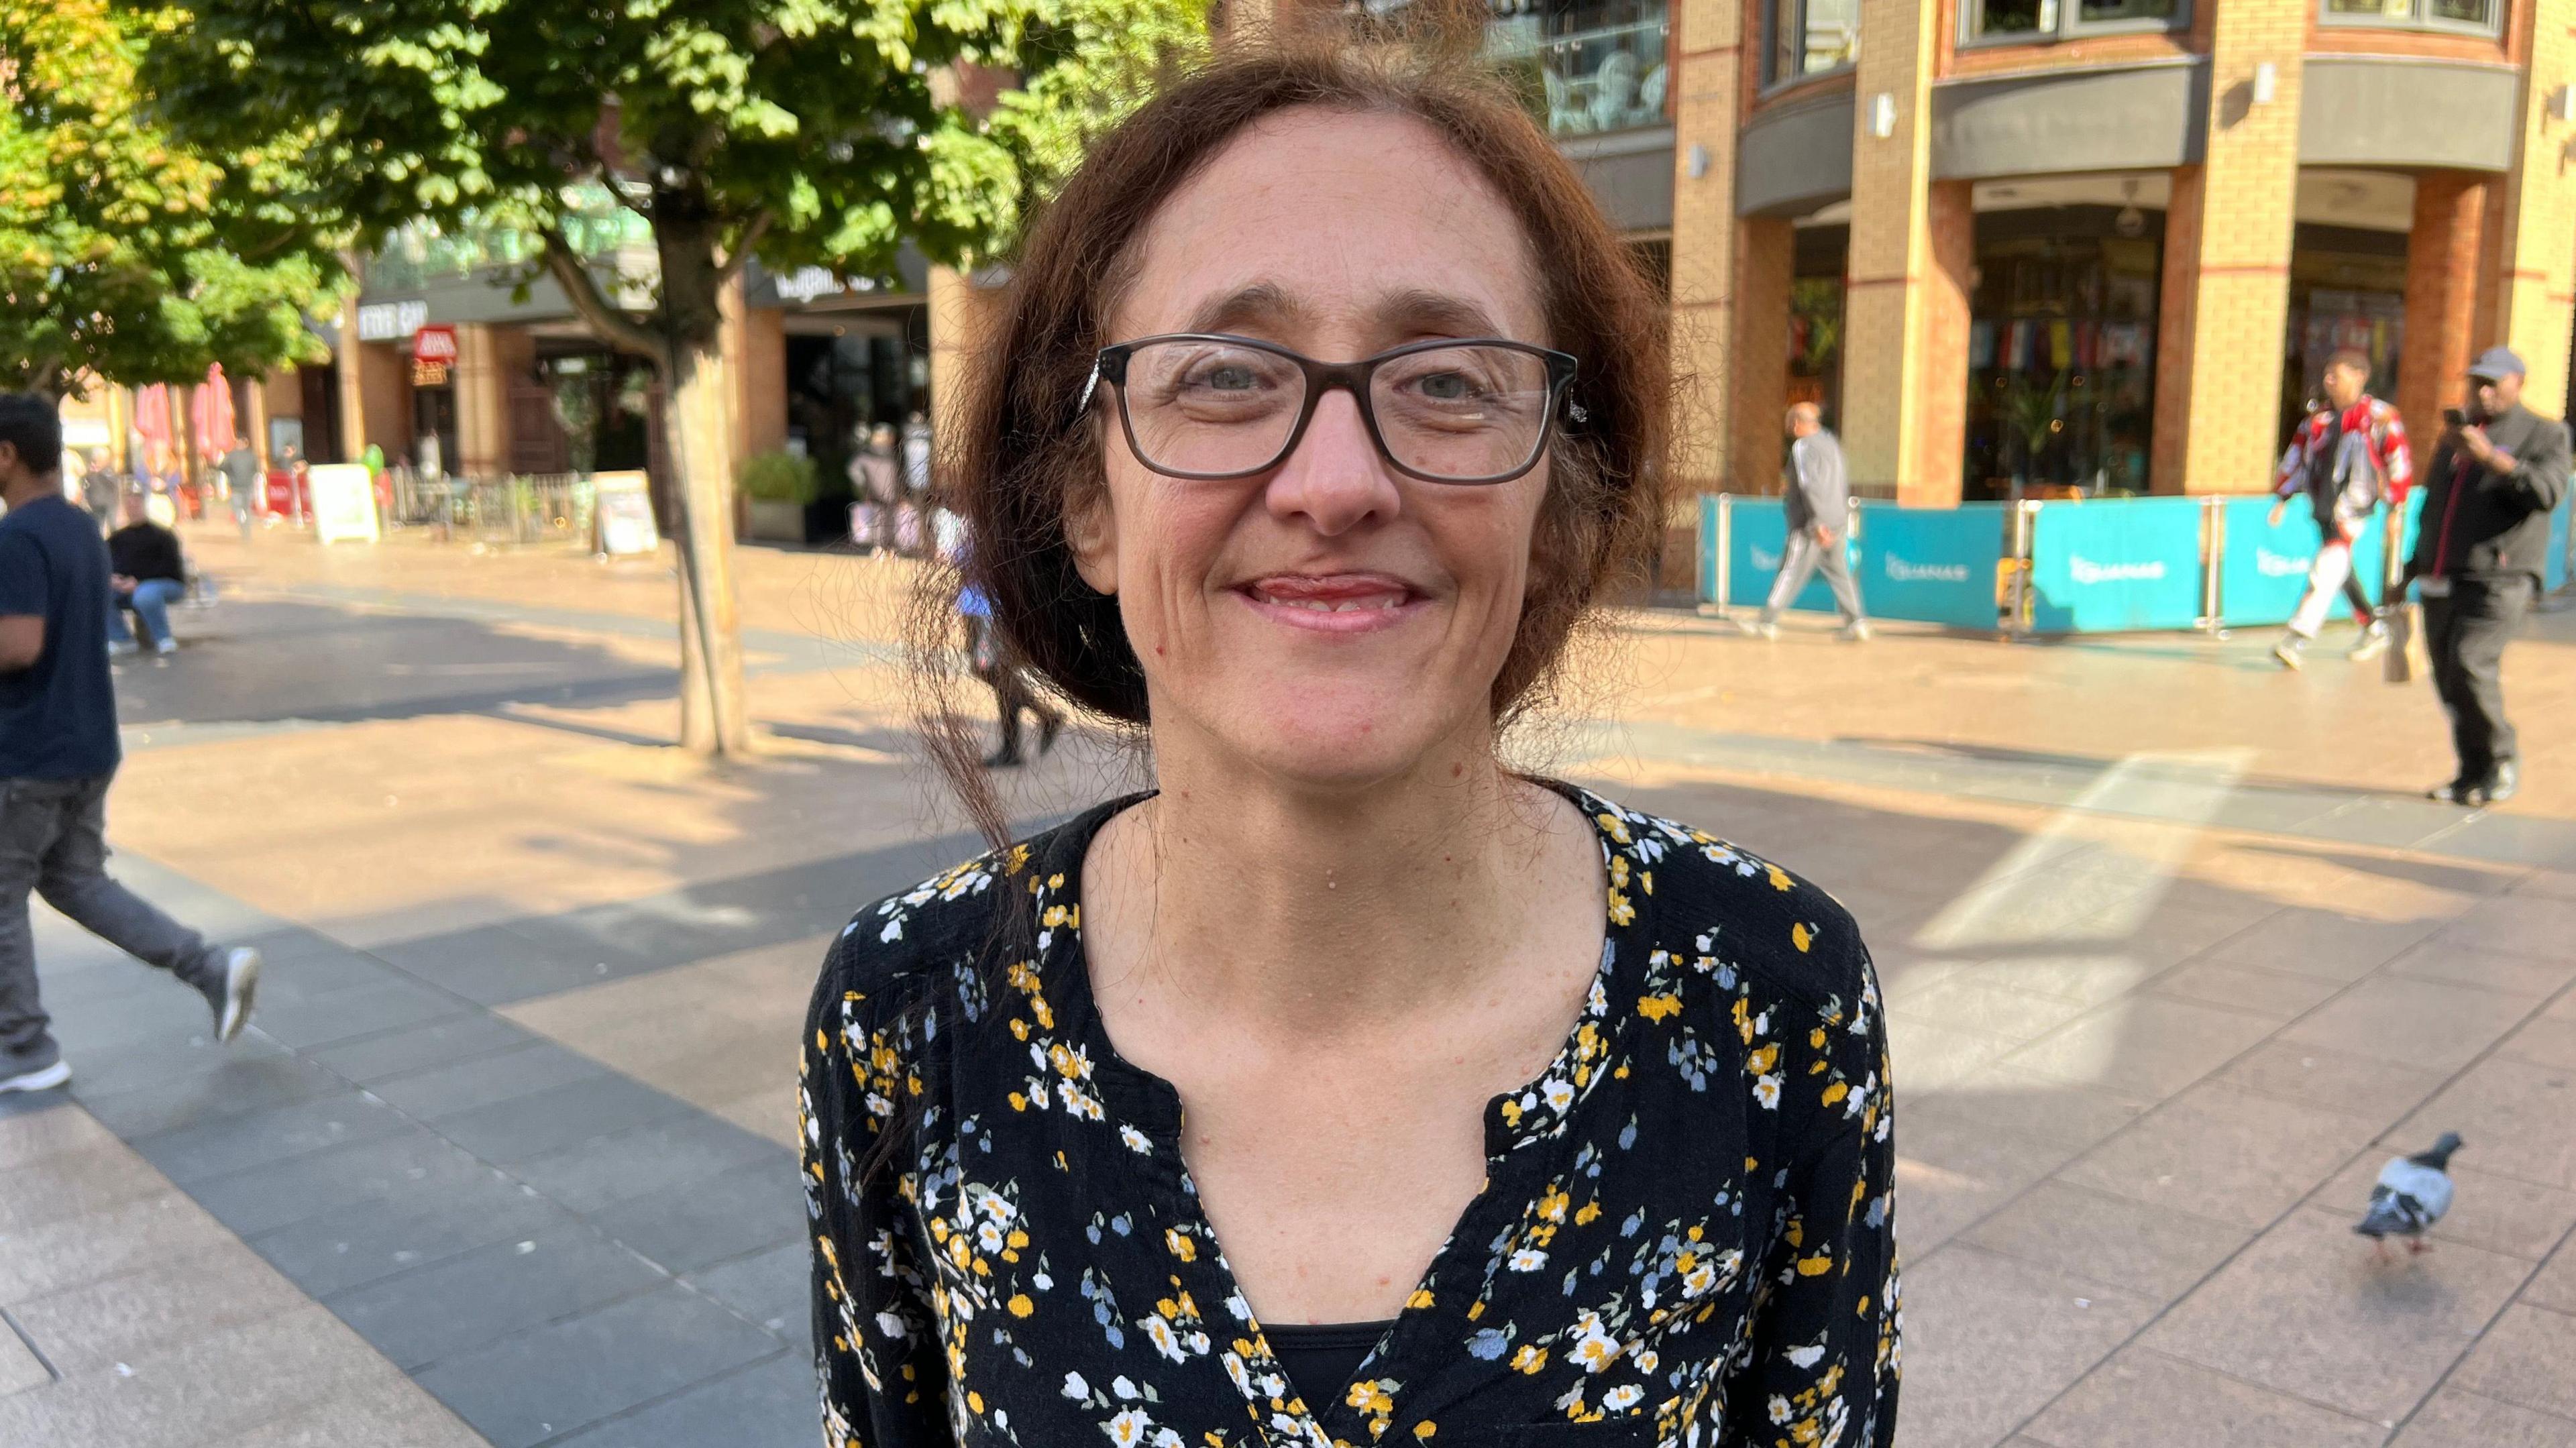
<point x="2347" y="457"/>
<point x="2494" y="478"/>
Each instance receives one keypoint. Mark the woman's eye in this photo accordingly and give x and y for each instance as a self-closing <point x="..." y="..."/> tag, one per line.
<point x="1446" y="387"/>
<point x="1230" y="378"/>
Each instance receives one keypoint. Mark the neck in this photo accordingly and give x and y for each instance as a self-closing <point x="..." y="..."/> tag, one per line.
<point x="26" y="488"/>
<point x="1320" y="909"/>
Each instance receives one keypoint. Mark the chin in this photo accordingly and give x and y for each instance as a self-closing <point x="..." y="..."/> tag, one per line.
<point x="1335" y="736"/>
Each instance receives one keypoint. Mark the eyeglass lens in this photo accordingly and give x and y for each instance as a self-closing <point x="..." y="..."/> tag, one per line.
<point x="1463" y="412"/>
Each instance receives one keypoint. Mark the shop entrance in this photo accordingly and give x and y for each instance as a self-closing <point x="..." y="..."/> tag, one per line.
<point x="433" y="430"/>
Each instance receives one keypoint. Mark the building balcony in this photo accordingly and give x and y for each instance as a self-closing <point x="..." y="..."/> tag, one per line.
<point x="1586" y="81"/>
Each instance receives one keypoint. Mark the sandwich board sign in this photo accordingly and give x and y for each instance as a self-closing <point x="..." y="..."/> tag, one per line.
<point x="344" y="503"/>
<point x="624" y="514"/>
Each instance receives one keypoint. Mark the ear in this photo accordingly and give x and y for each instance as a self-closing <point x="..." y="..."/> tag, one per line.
<point x="1091" y="531"/>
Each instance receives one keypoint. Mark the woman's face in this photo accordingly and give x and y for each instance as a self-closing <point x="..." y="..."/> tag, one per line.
<point x="1331" y="621"/>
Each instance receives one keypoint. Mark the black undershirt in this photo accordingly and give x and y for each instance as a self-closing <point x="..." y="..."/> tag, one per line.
<point x="1322" y="1358"/>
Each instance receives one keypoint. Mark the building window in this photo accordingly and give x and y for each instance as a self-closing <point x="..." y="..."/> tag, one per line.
<point x="2026" y="20"/>
<point x="1586" y="66"/>
<point x="1810" y="37"/>
<point x="2477" y="17"/>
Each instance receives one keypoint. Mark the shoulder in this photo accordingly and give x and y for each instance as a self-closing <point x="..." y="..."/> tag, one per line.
<point x="936" y="933"/>
<point x="1724" y="907"/>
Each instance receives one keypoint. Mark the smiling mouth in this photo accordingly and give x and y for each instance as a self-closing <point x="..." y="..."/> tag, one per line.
<point x="1347" y="599"/>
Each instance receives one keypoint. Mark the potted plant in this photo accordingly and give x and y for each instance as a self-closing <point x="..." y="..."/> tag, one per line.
<point x="778" y="487"/>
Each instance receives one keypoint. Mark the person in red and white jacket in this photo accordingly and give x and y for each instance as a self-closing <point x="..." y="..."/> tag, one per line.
<point x="2348" y="457"/>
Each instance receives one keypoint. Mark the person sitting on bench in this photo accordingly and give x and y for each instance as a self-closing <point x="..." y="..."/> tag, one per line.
<point x="148" y="572"/>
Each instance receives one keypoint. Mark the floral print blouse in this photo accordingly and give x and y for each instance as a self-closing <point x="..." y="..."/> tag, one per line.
<point x="1684" y="1236"/>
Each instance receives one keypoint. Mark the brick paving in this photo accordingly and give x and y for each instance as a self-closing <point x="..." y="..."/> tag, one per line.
<point x="2171" y="968"/>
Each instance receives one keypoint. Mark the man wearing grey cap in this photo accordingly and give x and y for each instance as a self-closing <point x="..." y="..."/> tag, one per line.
<point x="2494" y="477"/>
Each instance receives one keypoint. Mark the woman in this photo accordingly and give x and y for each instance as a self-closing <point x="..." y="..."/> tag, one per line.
<point x="1349" y="1088"/>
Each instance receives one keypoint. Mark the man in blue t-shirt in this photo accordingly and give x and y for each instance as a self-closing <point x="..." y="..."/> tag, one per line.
<point x="58" y="751"/>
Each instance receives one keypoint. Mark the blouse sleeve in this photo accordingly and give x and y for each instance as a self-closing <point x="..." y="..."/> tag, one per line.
<point x="876" y="1344"/>
<point x="1820" y="1363"/>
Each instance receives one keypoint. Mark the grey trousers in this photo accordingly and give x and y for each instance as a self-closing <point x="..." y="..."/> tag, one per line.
<point x="53" y="841"/>
<point x="1798" y="563"/>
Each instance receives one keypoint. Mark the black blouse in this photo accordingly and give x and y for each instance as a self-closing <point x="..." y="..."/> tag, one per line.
<point x="1684" y="1234"/>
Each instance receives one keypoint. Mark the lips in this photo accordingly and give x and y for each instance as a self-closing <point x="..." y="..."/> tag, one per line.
<point x="1335" y="602"/>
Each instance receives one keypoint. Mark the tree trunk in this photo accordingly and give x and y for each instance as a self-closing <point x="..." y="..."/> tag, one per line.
<point x="698" y="426"/>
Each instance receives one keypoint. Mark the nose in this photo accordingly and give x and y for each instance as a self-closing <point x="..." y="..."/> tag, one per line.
<point x="1335" y="479"/>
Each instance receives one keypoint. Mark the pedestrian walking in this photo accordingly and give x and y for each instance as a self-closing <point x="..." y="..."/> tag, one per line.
<point x="241" y="485"/>
<point x="1817" y="499"/>
<point x="1013" y="696"/>
<point x="878" y="485"/>
<point x="2493" y="479"/>
<point x="58" y="752"/>
<point x="916" y="457"/>
<point x="147" y="572"/>
<point x="1422" y="1041"/>
<point x="2347" y="457"/>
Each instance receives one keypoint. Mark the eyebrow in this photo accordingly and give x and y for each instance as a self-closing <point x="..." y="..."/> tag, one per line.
<point x="1410" y="312"/>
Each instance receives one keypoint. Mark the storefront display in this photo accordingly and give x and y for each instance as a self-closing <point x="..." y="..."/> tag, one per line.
<point x="2061" y="352"/>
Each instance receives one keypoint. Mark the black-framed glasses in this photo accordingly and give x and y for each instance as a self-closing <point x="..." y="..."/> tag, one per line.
<point x="1205" y="405"/>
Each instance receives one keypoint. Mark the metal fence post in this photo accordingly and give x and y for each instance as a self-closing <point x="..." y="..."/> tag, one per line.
<point x="2213" y="548"/>
<point x="1725" y="552"/>
<point x="2017" y="621"/>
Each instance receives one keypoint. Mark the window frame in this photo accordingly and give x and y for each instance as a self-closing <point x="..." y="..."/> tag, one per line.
<point x="1771" y="48"/>
<point x="2071" y="25"/>
<point x="2415" y="21"/>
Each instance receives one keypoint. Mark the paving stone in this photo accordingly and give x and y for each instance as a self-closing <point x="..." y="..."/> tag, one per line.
<point x="1973" y="1001"/>
<point x="566" y="1375"/>
<point x="2454" y="1419"/>
<point x="261" y="1138"/>
<point x="363" y="1243"/>
<point x="2528" y="1358"/>
<point x="521" y="1071"/>
<point x="101" y="1244"/>
<point x="66" y="1185"/>
<point x="770" y="1404"/>
<point x="366" y="1010"/>
<point x="2517" y="973"/>
<point x="774" y="1288"/>
<point x="20" y="1368"/>
<point x="2418" y="1023"/>
<point x="1929" y="1056"/>
<point x="687" y="1225"/>
<point x="2496" y="1213"/>
<point x="193" y="1390"/>
<point x="2309" y="1311"/>
<point x="491" y="965"/>
<point x="616" y="1168"/>
<point x="2143" y="1046"/>
<point x="233" y="1086"/>
<point x="2246" y="988"/>
<point x="2554" y="1285"/>
<point x="438" y="1043"/>
<point x="2523" y="1107"/>
<point x="1990" y="1339"/>
<point x="389" y="1411"/>
<point x="2215" y="1152"/>
<point x="2144" y="1399"/>
<point x="262" y="1199"/>
<point x="2323" y="943"/>
<point x="168" y="1062"/>
<point x="324" y="969"/>
<point x="2381" y="1092"/>
<point x="2006" y="1101"/>
<point x="2524" y="924"/>
<point x="57" y="1126"/>
<point x="461" y="1304"/>
<point x="214" y="1286"/>
<point x="2548" y="1041"/>
<point x="558" y="1117"/>
<point x="2152" y="1251"/>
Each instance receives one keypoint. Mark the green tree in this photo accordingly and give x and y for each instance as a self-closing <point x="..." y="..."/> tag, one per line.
<point x="125" y="255"/>
<point x="806" y="132"/>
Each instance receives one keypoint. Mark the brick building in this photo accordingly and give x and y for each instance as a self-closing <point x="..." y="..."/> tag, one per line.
<point x="2092" y="245"/>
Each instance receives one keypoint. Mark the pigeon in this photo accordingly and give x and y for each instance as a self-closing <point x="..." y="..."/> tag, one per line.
<point x="2412" y="1194"/>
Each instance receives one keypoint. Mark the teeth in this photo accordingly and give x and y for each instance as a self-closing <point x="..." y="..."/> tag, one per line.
<point x="1348" y="605"/>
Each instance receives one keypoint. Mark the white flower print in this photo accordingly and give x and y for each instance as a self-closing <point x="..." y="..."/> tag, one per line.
<point x="1129" y="1428"/>
<point x="1623" y="1397"/>
<point x="1075" y="1388"/>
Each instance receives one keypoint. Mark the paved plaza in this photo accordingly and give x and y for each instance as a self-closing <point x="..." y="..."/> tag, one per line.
<point x="2175" y="959"/>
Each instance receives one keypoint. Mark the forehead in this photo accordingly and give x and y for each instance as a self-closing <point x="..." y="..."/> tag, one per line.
<point x="1334" y="222"/>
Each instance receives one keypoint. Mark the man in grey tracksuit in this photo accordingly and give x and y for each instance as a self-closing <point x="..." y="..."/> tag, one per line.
<point x="1817" y="497"/>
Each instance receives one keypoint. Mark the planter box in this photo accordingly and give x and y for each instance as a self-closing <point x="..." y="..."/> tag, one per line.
<point x="777" y="522"/>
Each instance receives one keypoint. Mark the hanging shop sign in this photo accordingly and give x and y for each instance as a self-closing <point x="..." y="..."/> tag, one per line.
<point x="390" y="321"/>
<point x="433" y="355"/>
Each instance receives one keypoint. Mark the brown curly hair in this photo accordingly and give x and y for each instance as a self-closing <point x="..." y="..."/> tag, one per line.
<point x="1025" y="456"/>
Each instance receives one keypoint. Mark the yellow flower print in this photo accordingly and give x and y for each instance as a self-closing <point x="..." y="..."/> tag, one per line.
<point x="1181" y="1246"/>
<point x="1779" y="878"/>
<point x="1621" y="912"/>
<point x="1762" y="1060"/>
<point x="1615" y="827"/>
<point x="1423" y="1430"/>
<point x="1801" y="937"/>
<point x="1659" y="1007"/>
<point x="1021" y="1305"/>
<point x="1530" y="1358"/>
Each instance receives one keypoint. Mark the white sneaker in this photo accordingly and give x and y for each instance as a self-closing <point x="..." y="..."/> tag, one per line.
<point x="232" y="995"/>
<point x="166" y="646"/>
<point x="43" y="1080"/>
<point x="119" y="648"/>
